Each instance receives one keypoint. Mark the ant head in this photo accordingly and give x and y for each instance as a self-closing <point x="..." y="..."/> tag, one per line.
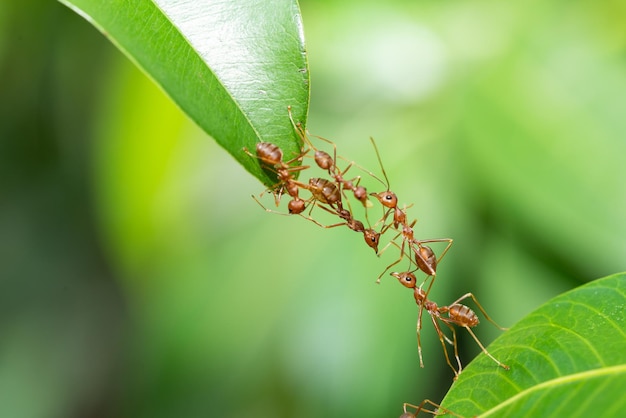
<point x="406" y="278"/>
<point x="426" y="260"/>
<point x="371" y="238"/>
<point x="388" y="199"/>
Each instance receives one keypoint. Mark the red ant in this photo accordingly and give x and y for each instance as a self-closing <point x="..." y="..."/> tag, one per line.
<point x="457" y="314"/>
<point x="421" y="408"/>
<point x="272" y="156"/>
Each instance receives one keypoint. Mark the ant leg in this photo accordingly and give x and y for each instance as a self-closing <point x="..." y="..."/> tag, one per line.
<point x="453" y="342"/>
<point x="394" y="263"/>
<point x="440" y="333"/>
<point x="297" y="126"/>
<point x="363" y="169"/>
<point x="322" y="225"/>
<point x="504" y="366"/>
<point x="404" y="233"/>
<point x="405" y="229"/>
<point x="383" y="220"/>
<point x="421" y="310"/>
<point x="471" y="295"/>
<point x="329" y="210"/>
<point x="456" y="347"/>
<point x="245" y="149"/>
<point x="387" y="269"/>
<point x="418" y="408"/>
<point x="421" y="408"/>
<point x="382" y="231"/>
<point x="299" y="157"/>
<point x="276" y="191"/>
<point x="419" y="336"/>
<point x="270" y="210"/>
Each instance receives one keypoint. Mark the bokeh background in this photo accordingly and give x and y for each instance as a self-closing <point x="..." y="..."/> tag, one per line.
<point x="139" y="279"/>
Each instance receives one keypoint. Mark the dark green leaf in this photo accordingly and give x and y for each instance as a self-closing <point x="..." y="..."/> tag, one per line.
<point x="232" y="66"/>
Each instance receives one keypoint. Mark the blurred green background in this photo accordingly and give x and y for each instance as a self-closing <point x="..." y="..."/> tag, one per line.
<point x="139" y="279"/>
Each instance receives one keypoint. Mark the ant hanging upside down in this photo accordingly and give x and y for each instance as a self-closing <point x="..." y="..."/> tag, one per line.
<point x="453" y="314"/>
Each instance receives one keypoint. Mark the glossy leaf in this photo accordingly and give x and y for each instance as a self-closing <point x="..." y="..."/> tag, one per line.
<point x="234" y="67"/>
<point x="567" y="359"/>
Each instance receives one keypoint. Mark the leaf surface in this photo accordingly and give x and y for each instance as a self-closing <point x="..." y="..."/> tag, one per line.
<point x="567" y="359"/>
<point x="233" y="66"/>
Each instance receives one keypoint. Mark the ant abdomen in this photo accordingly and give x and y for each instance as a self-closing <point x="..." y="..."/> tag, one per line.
<point x="324" y="190"/>
<point x="324" y="160"/>
<point x="426" y="260"/>
<point x="269" y="153"/>
<point x="463" y="315"/>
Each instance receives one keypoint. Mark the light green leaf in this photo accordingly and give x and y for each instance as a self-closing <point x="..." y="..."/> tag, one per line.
<point x="567" y="359"/>
<point x="233" y="66"/>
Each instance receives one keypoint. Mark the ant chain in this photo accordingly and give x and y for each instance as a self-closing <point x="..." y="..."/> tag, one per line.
<point x="327" y="195"/>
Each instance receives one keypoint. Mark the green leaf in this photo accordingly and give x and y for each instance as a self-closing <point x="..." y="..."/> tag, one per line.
<point x="567" y="359"/>
<point x="233" y="66"/>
